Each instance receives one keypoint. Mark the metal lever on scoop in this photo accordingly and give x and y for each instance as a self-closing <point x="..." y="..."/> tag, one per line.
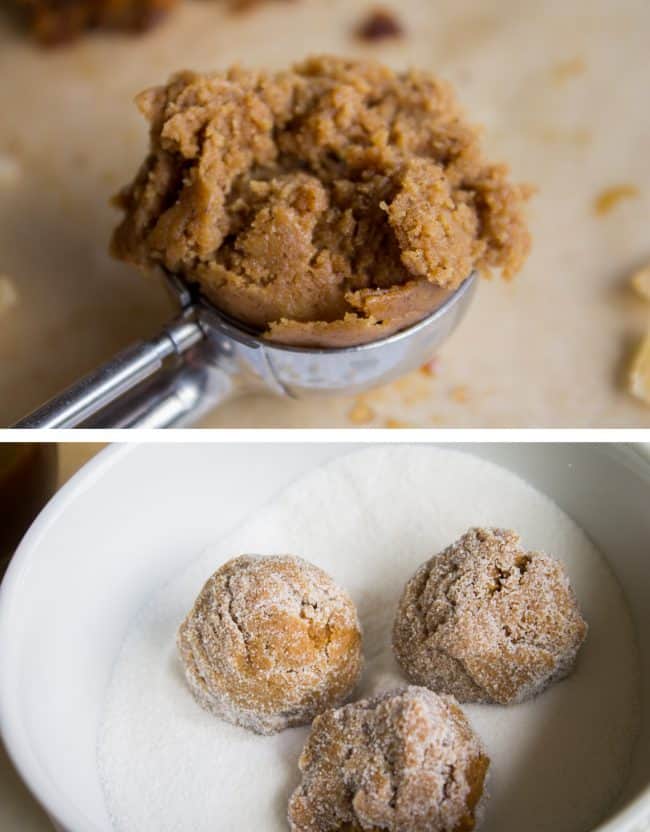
<point x="203" y="358"/>
<point x="177" y="396"/>
<point x="121" y="374"/>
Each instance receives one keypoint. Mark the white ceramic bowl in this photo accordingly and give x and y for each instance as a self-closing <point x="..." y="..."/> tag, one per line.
<point x="118" y="530"/>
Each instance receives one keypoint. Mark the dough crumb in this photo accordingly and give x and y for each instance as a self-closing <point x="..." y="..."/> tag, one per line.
<point x="460" y="394"/>
<point x="270" y="643"/>
<point x="638" y="382"/>
<point x="10" y="171"/>
<point x="488" y="621"/>
<point x="609" y="198"/>
<point x="640" y="282"/>
<point x="430" y="368"/>
<point x="8" y="294"/>
<point x="361" y="413"/>
<point x="380" y="24"/>
<point x="571" y="68"/>
<point x="54" y="22"/>
<point x="246" y="5"/>
<point x="406" y="760"/>
<point x="328" y="205"/>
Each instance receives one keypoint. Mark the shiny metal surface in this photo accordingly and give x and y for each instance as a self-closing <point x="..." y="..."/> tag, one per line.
<point x="203" y="358"/>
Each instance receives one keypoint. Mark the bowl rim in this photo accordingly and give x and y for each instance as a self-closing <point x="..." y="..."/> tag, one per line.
<point x="64" y="814"/>
<point x="633" y="816"/>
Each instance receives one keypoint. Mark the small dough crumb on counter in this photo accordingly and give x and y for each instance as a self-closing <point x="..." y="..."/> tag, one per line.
<point x="378" y="25"/>
<point x="361" y="413"/>
<point x="54" y="22"/>
<point x="430" y="368"/>
<point x="609" y="198"/>
<point x="327" y="205"/>
<point x="8" y="294"/>
<point x="638" y="382"/>
<point x="640" y="282"/>
<point x="10" y="170"/>
<point x="460" y="394"/>
<point x="571" y="68"/>
<point x="57" y="22"/>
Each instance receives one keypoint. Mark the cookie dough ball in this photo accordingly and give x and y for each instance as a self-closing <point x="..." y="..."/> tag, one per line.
<point x="329" y="204"/>
<point x="54" y="22"/>
<point x="270" y="643"/>
<point x="488" y="621"/>
<point x="405" y="760"/>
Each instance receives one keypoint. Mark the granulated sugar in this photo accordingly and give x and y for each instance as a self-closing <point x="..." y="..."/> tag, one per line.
<point x="369" y="519"/>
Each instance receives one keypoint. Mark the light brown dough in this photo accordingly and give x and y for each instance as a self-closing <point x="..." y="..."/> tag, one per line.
<point x="270" y="643"/>
<point x="488" y="621"/>
<point x="60" y="21"/>
<point x="405" y="761"/>
<point x="327" y="205"/>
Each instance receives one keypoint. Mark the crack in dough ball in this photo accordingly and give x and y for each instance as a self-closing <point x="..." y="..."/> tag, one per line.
<point x="488" y="621"/>
<point x="405" y="761"/>
<point x="270" y="643"/>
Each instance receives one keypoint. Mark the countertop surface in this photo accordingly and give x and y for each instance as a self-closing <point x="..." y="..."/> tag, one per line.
<point x="18" y="809"/>
<point x="559" y="88"/>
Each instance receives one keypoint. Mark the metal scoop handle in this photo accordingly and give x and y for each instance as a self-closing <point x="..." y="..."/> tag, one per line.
<point x="203" y="358"/>
<point x="117" y="377"/>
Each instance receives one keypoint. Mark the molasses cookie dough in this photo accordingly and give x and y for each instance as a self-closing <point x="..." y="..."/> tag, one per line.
<point x="406" y="760"/>
<point x="488" y="621"/>
<point x="270" y="643"/>
<point x="327" y="205"/>
<point x="59" y="21"/>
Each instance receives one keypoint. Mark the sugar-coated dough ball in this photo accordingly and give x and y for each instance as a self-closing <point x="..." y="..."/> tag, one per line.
<point x="405" y="761"/>
<point x="271" y="642"/>
<point x="487" y="621"/>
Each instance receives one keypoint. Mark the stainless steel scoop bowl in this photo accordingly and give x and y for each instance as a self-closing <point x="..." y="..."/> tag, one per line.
<point x="203" y="358"/>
